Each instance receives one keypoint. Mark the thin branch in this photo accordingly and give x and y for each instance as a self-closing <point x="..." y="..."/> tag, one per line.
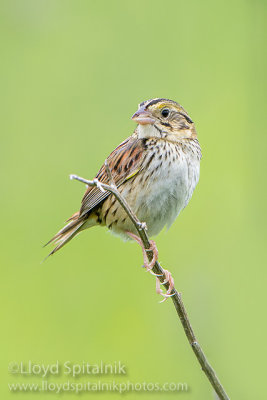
<point x="109" y="174"/>
<point x="157" y="269"/>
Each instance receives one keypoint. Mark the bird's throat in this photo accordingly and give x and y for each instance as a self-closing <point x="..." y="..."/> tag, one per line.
<point x="148" y="131"/>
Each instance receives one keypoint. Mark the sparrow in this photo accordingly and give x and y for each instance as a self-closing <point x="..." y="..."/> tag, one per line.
<point x="156" y="170"/>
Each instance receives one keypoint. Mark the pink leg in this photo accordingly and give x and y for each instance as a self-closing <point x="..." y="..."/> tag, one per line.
<point x="148" y="265"/>
<point x="169" y="279"/>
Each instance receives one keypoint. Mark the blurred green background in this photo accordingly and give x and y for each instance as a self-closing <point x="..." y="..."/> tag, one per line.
<point x="72" y="74"/>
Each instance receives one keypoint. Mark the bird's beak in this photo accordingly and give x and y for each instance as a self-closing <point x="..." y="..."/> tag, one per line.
<point x="143" y="117"/>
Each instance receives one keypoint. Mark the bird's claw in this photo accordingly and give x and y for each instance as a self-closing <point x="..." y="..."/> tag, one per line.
<point x="150" y="270"/>
<point x="149" y="265"/>
<point x="168" y="279"/>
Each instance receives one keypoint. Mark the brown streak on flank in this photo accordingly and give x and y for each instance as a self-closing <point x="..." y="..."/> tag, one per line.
<point x="113" y="202"/>
<point x="98" y="219"/>
<point x="106" y="214"/>
<point x="146" y="178"/>
<point x="150" y="160"/>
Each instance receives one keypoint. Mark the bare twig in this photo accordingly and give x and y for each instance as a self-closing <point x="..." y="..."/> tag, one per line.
<point x="158" y="270"/>
<point x="109" y="174"/>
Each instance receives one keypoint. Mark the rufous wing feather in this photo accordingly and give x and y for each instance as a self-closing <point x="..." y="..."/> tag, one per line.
<point x="124" y="162"/>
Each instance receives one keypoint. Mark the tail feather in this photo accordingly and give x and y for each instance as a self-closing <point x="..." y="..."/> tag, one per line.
<point x="73" y="221"/>
<point x="67" y="233"/>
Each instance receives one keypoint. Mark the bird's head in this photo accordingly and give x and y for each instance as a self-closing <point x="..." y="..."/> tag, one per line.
<point x="163" y="118"/>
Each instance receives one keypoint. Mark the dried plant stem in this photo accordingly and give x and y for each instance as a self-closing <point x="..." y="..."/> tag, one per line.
<point x="157" y="269"/>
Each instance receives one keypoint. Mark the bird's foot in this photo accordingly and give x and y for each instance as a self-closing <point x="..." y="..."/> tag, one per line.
<point x="148" y="265"/>
<point x="170" y="281"/>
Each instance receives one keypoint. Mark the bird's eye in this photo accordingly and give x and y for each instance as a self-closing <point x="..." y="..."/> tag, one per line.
<point x="165" y="112"/>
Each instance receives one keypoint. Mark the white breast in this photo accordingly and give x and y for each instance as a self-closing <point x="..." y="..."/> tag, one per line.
<point x="169" y="189"/>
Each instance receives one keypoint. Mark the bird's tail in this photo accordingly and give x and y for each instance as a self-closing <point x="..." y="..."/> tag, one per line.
<point x="70" y="230"/>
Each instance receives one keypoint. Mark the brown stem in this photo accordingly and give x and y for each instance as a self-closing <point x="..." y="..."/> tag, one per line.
<point x="157" y="269"/>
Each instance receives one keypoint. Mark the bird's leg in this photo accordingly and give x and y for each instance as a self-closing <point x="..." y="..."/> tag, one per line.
<point x="148" y="265"/>
<point x="170" y="281"/>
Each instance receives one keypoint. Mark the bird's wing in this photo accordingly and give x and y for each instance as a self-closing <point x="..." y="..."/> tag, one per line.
<point x="124" y="162"/>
